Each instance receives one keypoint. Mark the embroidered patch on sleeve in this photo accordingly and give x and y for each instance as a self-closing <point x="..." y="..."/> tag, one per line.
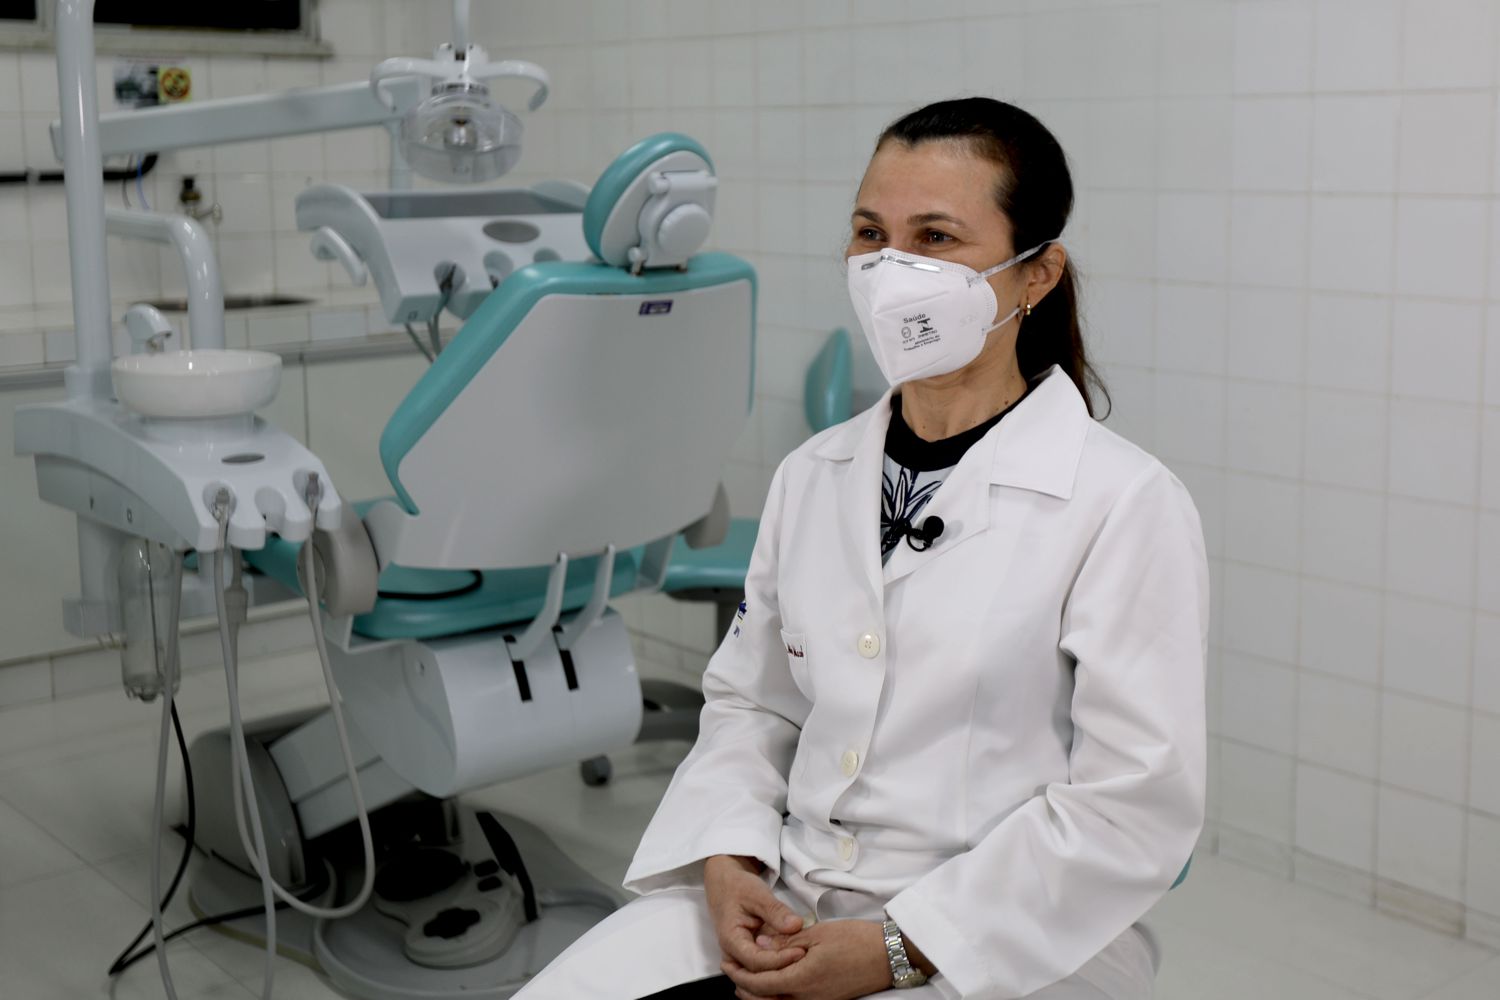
<point x="739" y="619"/>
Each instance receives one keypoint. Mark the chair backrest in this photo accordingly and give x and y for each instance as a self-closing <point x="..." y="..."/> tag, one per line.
<point x="580" y="406"/>
<point x="828" y="390"/>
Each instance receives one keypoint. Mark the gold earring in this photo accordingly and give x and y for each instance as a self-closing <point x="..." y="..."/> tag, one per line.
<point x="1026" y="309"/>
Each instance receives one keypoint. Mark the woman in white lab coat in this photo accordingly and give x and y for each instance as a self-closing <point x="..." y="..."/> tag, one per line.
<point x="957" y="730"/>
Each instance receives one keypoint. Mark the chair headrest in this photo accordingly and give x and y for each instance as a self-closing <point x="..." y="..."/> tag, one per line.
<point x="653" y="205"/>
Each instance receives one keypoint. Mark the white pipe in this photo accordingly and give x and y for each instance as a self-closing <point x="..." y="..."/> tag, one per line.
<point x="83" y="175"/>
<point x="205" y="290"/>
<point x="460" y="26"/>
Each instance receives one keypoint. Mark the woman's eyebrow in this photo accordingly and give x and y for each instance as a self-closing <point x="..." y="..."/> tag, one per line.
<point x="921" y="219"/>
<point x="926" y="217"/>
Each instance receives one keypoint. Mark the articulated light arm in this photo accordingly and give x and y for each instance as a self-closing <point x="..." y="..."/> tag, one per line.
<point x="247" y="119"/>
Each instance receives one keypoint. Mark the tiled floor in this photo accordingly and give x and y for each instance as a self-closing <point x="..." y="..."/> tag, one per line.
<point x="75" y="796"/>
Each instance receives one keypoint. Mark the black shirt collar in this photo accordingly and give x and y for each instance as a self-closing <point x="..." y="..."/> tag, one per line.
<point x="903" y="446"/>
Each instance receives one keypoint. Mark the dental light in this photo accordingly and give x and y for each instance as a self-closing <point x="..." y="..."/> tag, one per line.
<point x="459" y="134"/>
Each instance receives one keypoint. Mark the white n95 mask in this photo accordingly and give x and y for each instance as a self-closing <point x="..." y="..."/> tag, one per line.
<point x="924" y="316"/>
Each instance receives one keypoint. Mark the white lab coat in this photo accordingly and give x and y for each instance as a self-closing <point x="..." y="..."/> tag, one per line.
<point x="999" y="741"/>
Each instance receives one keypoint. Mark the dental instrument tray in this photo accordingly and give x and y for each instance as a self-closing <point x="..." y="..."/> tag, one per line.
<point x="431" y="250"/>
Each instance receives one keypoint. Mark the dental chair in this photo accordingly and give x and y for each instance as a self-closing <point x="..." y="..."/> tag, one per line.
<point x="716" y="573"/>
<point x="547" y="462"/>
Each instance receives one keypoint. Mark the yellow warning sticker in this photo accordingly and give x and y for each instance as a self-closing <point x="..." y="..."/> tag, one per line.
<point x="174" y="83"/>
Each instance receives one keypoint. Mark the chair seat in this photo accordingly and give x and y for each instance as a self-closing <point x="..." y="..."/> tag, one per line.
<point x="430" y="603"/>
<point x="719" y="567"/>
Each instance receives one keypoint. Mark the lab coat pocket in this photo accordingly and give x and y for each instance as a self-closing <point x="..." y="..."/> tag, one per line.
<point x="796" y="658"/>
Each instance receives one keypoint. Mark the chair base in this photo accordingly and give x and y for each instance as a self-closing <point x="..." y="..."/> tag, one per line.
<point x="368" y="955"/>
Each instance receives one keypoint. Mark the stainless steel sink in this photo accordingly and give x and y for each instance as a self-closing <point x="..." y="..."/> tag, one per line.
<point x="236" y="302"/>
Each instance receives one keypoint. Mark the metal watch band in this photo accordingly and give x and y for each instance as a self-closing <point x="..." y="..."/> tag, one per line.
<point x="904" y="975"/>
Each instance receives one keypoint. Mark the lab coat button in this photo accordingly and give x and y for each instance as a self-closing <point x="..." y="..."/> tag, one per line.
<point x="846" y="848"/>
<point x="869" y="645"/>
<point x="849" y="763"/>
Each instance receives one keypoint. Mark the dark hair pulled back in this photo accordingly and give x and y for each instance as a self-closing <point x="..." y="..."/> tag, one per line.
<point x="1035" y="191"/>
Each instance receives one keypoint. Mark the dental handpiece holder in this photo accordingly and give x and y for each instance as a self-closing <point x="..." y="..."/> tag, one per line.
<point x="149" y="465"/>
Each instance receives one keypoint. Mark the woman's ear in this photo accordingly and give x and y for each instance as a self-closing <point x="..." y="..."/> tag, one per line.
<point x="1043" y="273"/>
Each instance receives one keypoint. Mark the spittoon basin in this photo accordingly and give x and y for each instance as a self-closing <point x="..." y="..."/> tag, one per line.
<point x="190" y="384"/>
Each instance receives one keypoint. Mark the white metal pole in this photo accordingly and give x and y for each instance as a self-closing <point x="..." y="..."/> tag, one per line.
<point x="83" y="178"/>
<point x="460" y="26"/>
<point x="83" y="175"/>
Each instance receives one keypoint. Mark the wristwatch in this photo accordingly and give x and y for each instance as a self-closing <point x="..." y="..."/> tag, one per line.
<point x="904" y="975"/>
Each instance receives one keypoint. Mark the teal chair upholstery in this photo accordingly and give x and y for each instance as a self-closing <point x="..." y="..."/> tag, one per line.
<point x="432" y="603"/>
<point x="828" y="389"/>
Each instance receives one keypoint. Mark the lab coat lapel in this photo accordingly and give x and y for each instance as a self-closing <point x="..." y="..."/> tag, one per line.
<point x="1039" y="443"/>
<point x="1034" y="447"/>
<point x="860" y="445"/>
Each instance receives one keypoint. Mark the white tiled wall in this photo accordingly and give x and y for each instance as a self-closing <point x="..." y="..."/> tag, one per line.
<point x="259" y="248"/>
<point x="1284" y="224"/>
<point x="1287" y="227"/>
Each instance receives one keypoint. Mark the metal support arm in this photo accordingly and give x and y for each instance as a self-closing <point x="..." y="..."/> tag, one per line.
<point x="246" y="119"/>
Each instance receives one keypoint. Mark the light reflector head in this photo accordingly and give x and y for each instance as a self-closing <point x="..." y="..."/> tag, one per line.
<point x="459" y="135"/>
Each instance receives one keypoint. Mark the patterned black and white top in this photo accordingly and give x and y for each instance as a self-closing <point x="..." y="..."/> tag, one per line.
<point x="914" y="469"/>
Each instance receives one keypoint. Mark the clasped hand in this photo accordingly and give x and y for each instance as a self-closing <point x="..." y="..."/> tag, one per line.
<point x="769" y="954"/>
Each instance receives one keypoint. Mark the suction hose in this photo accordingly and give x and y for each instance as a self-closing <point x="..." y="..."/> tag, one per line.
<point x="239" y="759"/>
<point x="243" y="792"/>
<point x="158" y="930"/>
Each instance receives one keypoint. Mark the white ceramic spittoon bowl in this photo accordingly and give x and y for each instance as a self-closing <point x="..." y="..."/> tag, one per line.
<point x="185" y="385"/>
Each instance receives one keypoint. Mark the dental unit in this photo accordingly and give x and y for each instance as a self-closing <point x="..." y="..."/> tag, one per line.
<point x="545" y="463"/>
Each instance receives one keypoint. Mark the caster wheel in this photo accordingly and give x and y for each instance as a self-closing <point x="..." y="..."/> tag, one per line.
<point x="595" y="771"/>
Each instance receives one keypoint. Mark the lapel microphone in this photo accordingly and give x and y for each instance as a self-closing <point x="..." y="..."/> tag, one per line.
<point x="928" y="533"/>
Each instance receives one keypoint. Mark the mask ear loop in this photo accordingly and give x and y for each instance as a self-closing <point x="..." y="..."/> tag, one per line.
<point x="1008" y="317"/>
<point x="1018" y="310"/>
<point x="1023" y="310"/>
<point x="1009" y="263"/>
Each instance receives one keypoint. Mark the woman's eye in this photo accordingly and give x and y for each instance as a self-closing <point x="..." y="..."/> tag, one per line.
<point x="933" y="236"/>
<point x="868" y="234"/>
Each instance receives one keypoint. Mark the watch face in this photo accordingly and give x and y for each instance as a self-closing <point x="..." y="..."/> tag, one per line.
<point x="911" y="977"/>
